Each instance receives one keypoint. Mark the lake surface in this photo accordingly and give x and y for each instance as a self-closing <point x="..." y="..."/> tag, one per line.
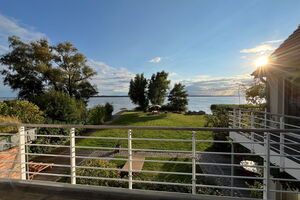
<point x="195" y="103"/>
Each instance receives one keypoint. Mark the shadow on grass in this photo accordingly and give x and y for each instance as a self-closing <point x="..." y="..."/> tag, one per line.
<point x="133" y="118"/>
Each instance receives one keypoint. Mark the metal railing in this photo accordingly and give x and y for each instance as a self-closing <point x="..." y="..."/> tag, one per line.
<point x="212" y="170"/>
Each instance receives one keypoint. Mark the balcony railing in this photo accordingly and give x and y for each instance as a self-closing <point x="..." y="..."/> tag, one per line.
<point x="217" y="171"/>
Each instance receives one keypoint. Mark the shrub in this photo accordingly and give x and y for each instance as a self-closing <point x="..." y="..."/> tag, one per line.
<point x="61" y="107"/>
<point x="96" y="115"/>
<point x="99" y="173"/>
<point x="24" y="110"/>
<point x="108" y="111"/>
<point x="8" y="129"/>
<point x="99" y="114"/>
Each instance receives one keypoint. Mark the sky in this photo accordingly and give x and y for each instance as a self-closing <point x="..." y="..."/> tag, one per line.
<point x="208" y="45"/>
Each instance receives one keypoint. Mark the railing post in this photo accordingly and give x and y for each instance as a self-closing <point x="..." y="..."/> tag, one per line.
<point x="129" y="160"/>
<point x="265" y="118"/>
<point x="194" y="163"/>
<point x="240" y="118"/>
<point x="234" y="118"/>
<point x="232" y="167"/>
<point x="266" y="195"/>
<point x="282" y="158"/>
<point x="252" y="133"/>
<point x="73" y="156"/>
<point x="22" y="141"/>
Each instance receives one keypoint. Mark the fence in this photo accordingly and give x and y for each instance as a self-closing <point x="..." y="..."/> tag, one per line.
<point x="226" y="171"/>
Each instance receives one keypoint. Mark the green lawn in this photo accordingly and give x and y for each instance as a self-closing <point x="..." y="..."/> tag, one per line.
<point x="144" y="119"/>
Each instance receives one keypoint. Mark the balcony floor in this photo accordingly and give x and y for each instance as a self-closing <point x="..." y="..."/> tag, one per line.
<point x="16" y="190"/>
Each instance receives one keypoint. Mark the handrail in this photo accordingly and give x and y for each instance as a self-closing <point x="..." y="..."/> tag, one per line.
<point x="260" y="130"/>
<point x="268" y="113"/>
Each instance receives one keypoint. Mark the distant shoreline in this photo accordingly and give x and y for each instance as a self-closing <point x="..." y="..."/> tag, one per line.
<point x="101" y="96"/>
<point x="188" y="96"/>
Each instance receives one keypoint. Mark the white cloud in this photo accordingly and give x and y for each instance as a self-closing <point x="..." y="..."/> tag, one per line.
<point x="259" y="49"/>
<point x="273" y="41"/>
<point x="173" y="74"/>
<point x="207" y="85"/>
<point x="110" y="80"/>
<point x="263" y="48"/>
<point x="9" y="26"/>
<point x="155" y="60"/>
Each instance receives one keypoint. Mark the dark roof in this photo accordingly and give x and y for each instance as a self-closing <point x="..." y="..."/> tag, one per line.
<point x="285" y="59"/>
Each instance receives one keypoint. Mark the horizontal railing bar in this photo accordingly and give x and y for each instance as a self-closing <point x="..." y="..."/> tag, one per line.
<point x="284" y="179"/>
<point x="286" y="191"/>
<point x="58" y="136"/>
<point x="8" y="134"/>
<point x="229" y="176"/>
<point x="48" y="174"/>
<point x="223" y="164"/>
<point x="162" y="183"/>
<point x="146" y="127"/>
<point x="47" y="164"/>
<point x="228" y="187"/>
<point x="229" y="153"/>
<point x="268" y="113"/>
<point x="102" y="178"/>
<point x="49" y="155"/>
<point x="101" y="158"/>
<point x="291" y="125"/>
<point x="47" y="145"/>
<point x="104" y="138"/>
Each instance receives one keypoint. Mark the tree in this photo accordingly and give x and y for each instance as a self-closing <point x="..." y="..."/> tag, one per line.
<point x="36" y="67"/>
<point x="74" y="71"/>
<point x="138" y="91"/>
<point x="178" y="97"/>
<point x="158" y="86"/>
<point x="24" y="64"/>
<point x="256" y="94"/>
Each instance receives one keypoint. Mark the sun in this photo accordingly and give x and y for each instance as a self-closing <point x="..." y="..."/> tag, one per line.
<point x="261" y="61"/>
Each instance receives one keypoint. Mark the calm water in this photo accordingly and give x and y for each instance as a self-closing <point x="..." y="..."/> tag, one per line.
<point x="195" y="103"/>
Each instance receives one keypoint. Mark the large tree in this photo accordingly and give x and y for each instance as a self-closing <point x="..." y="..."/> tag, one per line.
<point x="36" y="67"/>
<point x="138" y="91"/>
<point x="158" y="86"/>
<point x="75" y="73"/>
<point x="178" y="97"/>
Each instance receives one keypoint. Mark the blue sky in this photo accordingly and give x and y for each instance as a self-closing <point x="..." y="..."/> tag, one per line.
<point x="209" y="45"/>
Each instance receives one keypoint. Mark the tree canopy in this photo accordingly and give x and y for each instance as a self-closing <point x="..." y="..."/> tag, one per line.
<point x="138" y="91"/>
<point x="158" y="86"/>
<point x="36" y="67"/>
<point x="178" y="97"/>
<point x="256" y="94"/>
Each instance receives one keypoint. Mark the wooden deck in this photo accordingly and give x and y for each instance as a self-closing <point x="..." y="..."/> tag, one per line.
<point x="136" y="165"/>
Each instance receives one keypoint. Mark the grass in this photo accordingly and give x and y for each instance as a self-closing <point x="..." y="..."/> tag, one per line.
<point x="143" y="119"/>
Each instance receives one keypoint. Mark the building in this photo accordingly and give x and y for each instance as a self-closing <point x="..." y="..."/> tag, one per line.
<point x="282" y="75"/>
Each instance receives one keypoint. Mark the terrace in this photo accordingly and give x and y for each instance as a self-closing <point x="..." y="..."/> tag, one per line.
<point x="192" y="171"/>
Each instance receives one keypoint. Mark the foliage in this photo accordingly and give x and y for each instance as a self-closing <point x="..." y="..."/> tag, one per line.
<point x="99" y="114"/>
<point x="109" y="108"/>
<point x="24" y="110"/>
<point x="256" y="94"/>
<point x="74" y="72"/>
<point x="256" y="185"/>
<point x="99" y="173"/>
<point x="48" y="140"/>
<point x="34" y="68"/>
<point x="61" y="107"/>
<point x="178" y="97"/>
<point x="8" y="129"/>
<point x="157" y="88"/>
<point x="138" y="91"/>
